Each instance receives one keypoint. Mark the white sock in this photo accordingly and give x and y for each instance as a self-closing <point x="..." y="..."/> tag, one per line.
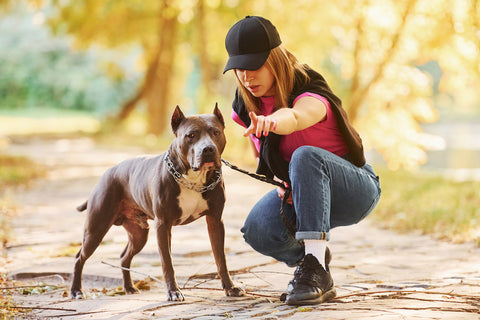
<point x="317" y="249"/>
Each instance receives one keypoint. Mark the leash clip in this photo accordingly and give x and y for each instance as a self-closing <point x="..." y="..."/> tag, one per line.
<point x="179" y="178"/>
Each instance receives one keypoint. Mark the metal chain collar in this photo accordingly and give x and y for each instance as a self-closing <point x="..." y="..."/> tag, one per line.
<point x="180" y="178"/>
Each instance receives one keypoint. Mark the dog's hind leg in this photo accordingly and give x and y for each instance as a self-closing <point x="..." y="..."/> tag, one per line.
<point x="91" y="240"/>
<point x="137" y="238"/>
<point x="102" y="213"/>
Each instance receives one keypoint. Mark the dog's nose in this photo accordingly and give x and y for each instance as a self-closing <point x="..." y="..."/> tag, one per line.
<point x="209" y="150"/>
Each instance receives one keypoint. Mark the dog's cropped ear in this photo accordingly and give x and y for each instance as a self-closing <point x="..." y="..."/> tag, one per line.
<point x="177" y="118"/>
<point x="219" y="115"/>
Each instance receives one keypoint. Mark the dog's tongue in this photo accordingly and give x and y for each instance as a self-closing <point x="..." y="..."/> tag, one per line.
<point x="205" y="166"/>
<point x="208" y="165"/>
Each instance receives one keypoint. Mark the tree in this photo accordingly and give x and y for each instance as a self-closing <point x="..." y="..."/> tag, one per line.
<point x="41" y="71"/>
<point x="152" y="25"/>
<point x="162" y="29"/>
<point x="371" y="52"/>
<point x="399" y="95"/>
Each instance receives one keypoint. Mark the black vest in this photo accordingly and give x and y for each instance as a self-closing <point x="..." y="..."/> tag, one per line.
<point x="271" y="162"/>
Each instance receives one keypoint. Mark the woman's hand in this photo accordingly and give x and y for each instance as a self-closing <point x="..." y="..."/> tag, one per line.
<point x="281" y="194"/>
<point x="260" y="124"/>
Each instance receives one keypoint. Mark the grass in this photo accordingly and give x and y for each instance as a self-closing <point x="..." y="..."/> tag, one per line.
<point x="14" y="172"/>
<point x="17" y="170"/>
<point x="46" y="121"/>
<point x="430" y="204"/>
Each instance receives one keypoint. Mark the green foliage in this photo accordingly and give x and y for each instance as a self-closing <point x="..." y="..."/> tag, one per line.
<point x="429" y="203"/>
<point x="38" y="70"/>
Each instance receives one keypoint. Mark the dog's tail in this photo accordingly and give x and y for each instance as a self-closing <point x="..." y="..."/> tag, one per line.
<point x="82" y="207"/>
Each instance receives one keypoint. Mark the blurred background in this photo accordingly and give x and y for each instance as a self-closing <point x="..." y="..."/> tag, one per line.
<point x="408" y="72"/>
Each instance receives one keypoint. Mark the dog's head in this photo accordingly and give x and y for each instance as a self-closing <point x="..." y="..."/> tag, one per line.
<point x="200" y="139"/>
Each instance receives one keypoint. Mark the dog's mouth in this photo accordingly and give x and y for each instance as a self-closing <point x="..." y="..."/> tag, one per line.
<point x="205" y="159"/>
<point x="207" y="166"/>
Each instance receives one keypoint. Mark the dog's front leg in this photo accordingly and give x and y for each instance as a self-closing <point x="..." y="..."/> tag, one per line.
<point x="216" y="232"/>
<point x="164" y="238"/>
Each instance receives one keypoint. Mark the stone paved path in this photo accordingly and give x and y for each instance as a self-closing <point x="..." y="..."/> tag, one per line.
<point x="378" y="274"/>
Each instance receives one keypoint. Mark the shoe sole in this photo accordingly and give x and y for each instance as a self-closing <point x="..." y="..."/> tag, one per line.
<point x="329" y="295"/>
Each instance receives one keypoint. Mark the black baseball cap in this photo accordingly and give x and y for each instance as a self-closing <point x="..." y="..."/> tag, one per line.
<point x="249" y="42"/>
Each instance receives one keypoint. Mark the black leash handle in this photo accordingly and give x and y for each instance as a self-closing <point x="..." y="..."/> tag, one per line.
<point x="290" y="226"/>
<point x="292" y="229"/>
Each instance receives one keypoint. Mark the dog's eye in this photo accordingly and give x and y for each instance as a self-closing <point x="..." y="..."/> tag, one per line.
<point x="191" y="135"/>
<point x="216" y="132"/>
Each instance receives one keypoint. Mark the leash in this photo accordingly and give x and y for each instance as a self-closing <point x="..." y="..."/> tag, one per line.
<point x="254" y="175"/>
<point x="291" y="228"/>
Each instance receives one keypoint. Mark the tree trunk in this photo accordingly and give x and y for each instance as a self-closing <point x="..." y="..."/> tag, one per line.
<point x="205" y="63"/>
<point x="130" y="105"/>
<point x="158" y="77"/>
<point x="160" y="73"/>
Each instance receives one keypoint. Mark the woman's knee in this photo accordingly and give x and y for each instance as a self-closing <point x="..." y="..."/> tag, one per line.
<point x="275" y="243"/>
<point x="267" y="233"/>
<point x="308" y="155"/>
<point x="264" y="236"/>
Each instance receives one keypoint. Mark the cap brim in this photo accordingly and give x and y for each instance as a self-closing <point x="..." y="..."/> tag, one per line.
<point x="251" y="61"/>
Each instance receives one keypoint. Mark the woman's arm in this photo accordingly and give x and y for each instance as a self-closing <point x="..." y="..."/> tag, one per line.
<point x="306" y="112"/>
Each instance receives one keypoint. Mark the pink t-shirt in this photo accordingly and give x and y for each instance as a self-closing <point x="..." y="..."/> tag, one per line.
<point x="323" y="134"/>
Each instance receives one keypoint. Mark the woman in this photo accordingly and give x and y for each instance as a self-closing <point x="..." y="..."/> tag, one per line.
<point x="302" y="137"/>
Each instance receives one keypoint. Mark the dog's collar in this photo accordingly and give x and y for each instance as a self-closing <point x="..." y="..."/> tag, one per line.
<point x="187" y="184"/>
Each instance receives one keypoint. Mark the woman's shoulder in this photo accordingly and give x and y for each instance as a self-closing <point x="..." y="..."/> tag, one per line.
<point x="313" y="95"/>
<point x="315" y="83"/>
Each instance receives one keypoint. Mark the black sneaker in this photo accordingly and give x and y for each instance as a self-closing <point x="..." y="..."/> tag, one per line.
<point x="312" y="284"/>
<point x="298" y="271"/>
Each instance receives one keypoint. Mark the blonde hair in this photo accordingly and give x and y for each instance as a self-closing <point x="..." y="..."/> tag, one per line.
<point x="284" y="66"/>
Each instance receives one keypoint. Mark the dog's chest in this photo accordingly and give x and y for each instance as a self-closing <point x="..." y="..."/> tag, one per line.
<point x="191" y="204"/>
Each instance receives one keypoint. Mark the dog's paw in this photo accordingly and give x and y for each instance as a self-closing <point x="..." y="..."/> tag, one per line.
<point x="131" y="290"/>
<point x="235" y="292"/>
<point x="77" y="294"/>
<point x="175" y="295"/>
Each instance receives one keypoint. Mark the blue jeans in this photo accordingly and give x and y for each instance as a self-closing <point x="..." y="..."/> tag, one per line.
<point x="327" y="190"/>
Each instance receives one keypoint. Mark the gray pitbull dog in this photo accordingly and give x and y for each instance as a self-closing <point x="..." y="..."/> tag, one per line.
<point x="174" y="188"/>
